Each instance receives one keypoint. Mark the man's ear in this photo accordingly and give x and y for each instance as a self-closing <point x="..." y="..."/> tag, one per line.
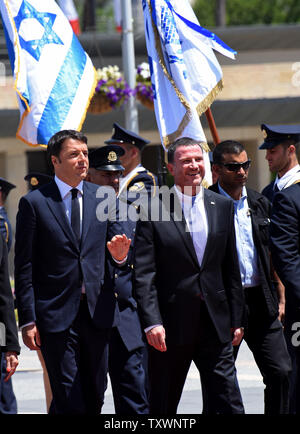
<point x="54" y="160"/>
<point x="216" y="168"/>
<point x="292" y="149"/>
<point x="170" y="168"/>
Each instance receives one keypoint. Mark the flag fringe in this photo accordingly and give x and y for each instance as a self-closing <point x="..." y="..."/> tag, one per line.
<point x="89" y="100"/>
<point x="208" y="100"/>
<point x="170" y="138"/>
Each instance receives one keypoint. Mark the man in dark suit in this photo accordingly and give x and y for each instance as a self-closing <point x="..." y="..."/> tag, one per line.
<point x="136" y="179"/>
<point x="263" y="330"/>
<point x="285" y="242"/>
<point x="188" y="289"/>
<point x="8" y="402"/>
<point x="64" y="308"/>
<point x="126" y="346"/>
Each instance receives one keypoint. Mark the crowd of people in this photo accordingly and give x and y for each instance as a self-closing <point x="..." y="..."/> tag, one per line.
<point x="101" y="293"/>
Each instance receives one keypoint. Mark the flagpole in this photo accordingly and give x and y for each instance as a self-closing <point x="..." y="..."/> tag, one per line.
<point x="212" y="126"/>
<point x="131" y="112"/>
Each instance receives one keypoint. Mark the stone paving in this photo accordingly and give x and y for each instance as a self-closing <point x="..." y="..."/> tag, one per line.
<point x="29" y="388"/>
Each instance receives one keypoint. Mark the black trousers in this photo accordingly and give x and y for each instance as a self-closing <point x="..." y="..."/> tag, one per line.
<point x="77" y="363"/>
<point x="128" y="377"/>
<point x="265" y="338"/>
<point x="215" y="362"/>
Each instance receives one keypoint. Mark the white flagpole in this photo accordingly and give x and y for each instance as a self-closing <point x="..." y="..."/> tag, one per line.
<point x="131" y="112"/>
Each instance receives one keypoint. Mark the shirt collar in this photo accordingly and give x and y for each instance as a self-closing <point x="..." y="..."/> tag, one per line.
<point x="223" y="192"/>
<point x="64" y="188"/>
<point x="281" y="181"/>
<point x="186" y="199"/>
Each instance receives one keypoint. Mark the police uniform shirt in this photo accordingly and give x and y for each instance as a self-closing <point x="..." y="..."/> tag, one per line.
<point x="288" y="178"/>
<point x="124" y="181"/>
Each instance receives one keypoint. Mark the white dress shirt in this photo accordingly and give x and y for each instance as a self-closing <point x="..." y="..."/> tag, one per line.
<point x="66" y="195"/>
<point x="196" y="219"/>
<point x="124" y="180"/>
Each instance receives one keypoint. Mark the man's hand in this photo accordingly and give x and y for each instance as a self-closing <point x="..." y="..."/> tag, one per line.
<point x="118" y="247"/>
<point x="237" y="335"/>
<point x="157" y="338"/>
<point x="281" y="315"/>
<point x="11" y="364"/>
<point x="31" y="337"/>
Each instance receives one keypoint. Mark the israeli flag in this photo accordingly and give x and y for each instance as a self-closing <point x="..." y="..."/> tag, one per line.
<point x="185" y="74"/>
<point x="54" y="77"/>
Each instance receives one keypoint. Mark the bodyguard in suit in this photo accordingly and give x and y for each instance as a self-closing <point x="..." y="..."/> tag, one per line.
<point x="64" y="308"/>
<point x="126" y="346"/>
<point x="188" y="289"/>
<point x="135" y="179"/>
<point x="285" y="250"/>
<point x="263" y="330"/>
<point x="8" y="401"/>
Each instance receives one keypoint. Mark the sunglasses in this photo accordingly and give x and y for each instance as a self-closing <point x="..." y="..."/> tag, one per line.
<point x="235" y="167"/>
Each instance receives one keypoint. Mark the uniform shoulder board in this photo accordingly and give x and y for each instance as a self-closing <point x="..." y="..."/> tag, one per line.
<point x="137" y="186"/>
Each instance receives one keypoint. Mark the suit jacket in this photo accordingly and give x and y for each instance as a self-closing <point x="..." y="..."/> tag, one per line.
<point x="268" y="191"/>
<point x="260" y="219"/>
<point x="50" y="266"/>
<point x="7" y="313"/>
<point x="285" y="242"/>
<point x="168" y="278"/>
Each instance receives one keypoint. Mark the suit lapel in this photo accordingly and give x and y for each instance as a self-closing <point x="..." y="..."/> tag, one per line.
<point x="88" y="210"/>
<point x="210" y="209"/>
<point x="56" y="206"/>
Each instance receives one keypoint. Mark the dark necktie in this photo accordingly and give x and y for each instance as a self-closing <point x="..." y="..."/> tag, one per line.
<point x="276" y="189"/>
<point x="75" y="214"/>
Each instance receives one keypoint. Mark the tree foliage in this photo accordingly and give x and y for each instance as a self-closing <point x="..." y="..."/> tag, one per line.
<point x="241" y="12"/>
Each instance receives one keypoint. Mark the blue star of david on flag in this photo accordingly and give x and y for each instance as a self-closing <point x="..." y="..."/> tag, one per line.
<point x="53" y="76"/>
<point x="35" y="46"/>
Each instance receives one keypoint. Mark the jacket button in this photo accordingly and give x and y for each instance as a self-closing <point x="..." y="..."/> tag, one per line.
<point x="116" y="295"/>
<point x="116" y="276"/>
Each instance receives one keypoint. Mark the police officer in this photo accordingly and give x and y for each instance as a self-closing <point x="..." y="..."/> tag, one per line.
<point x="281" y="143"/>
<point x="135" y="177"/>
<point x="8" y="402"/>
<point x="127" y="348"/>
<point x="5" y="226"/>
<point x="36" y="179"/>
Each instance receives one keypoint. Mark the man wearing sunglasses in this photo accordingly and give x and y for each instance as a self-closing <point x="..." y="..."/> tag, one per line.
<point x="263" y="330"/>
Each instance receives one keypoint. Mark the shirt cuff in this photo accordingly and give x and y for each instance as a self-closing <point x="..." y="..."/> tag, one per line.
<point x="121" y="262"/>
<point x="25" y="325"/>
<point x="147" y="329"/>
